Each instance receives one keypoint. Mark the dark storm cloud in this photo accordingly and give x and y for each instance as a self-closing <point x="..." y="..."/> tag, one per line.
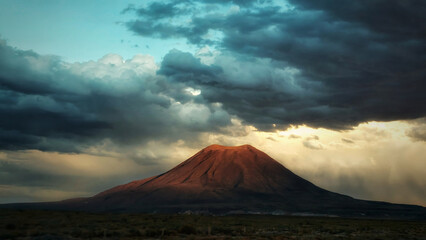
<point x="256" y="91"/>
<point x="50" y="105"/>
<point x="358" y="60"/>
<point x="244" y="3"/>
<point x="161" y="10"/>
<point x="184" y="67"/>
<point x="149" y="16"/>
<point x="401" y="19"/>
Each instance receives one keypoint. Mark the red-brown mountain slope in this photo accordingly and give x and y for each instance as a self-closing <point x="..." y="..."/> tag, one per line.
<point x="229" y="176"/>
<point x="219" y="167"/>
<point x="222" y="179"/>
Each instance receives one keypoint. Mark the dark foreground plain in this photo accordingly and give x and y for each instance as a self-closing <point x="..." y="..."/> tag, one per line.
<point x="49" y="225"/>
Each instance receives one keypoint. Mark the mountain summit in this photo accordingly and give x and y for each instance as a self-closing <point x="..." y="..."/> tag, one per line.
<point x="221" y="179"/>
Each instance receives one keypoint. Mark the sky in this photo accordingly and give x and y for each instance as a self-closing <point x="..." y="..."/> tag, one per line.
<point x="95" y="94"/>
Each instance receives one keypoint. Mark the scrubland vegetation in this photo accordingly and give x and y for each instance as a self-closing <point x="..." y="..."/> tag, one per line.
<point x="49" y="225"/>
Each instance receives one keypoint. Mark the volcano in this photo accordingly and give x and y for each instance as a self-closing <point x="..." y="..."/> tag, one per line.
<point x="217" y="176"/>
<point x="221" y="179"/>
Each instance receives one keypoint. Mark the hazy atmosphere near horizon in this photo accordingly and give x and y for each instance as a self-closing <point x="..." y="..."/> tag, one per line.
<point x="98" y="93"/>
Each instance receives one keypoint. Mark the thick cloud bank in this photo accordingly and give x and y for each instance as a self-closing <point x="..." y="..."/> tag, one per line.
<point x="271" y="64"/>
<point x="347" y="62"/>
<point x="50" y="105"/>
